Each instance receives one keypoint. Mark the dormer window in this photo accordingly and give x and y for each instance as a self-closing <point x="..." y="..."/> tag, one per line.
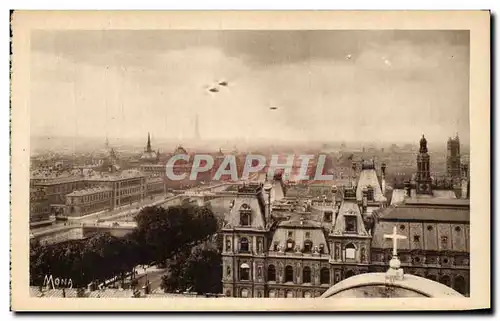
<point x="290" y="245"/>
<point x="350" y="224"/>
<point x="370" y="193"/>
<point x="328" y="217"/>
<point x="308" y="246"/>
<point x="245" y="215"/>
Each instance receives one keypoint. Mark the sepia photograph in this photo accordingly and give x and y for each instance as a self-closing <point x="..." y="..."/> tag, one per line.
<point x="213" y="159"/>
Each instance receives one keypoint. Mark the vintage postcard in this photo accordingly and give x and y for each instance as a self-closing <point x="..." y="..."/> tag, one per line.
<point x="279" y="161"/>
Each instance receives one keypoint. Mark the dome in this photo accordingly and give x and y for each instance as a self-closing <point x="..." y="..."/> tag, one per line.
<point x="379" y="285"/>
<point x="180" y="150"/>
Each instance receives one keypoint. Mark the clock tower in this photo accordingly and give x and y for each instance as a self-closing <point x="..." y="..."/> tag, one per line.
<point x="423" y="178"/>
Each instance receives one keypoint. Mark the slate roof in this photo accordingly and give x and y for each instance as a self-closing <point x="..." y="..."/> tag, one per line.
<point x="426" y="212"/>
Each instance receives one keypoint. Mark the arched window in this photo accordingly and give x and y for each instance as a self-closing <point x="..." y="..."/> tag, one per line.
<point x="272" y="293"/>
<point x="289" y="294"/>
<point x="228" y="245"/>
<point x="445" y="279"/>
<point x="324" y="276"/>
<point x="244" y="272"/>
<point x="350" y="251"/>
<point x="308" y="246"/>
<point x="271" y="273"/>
<point x="288" y="274"/>
<point x="459" y="284"/>
<point x="244" y="245"/>
<point x="306" y="275"/>
<point x="349" y="273"/>
<point x="307" y="295"/>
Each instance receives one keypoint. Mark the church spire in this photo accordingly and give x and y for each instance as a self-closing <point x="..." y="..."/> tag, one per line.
<point x="148" y="147"/>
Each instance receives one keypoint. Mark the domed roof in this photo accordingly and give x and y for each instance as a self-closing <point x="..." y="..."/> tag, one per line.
<point x="180" y="150"/>
<point x="379" y="285"/>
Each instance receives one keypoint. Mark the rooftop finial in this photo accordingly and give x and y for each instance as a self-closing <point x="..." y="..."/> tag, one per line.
<point x="394" y="271"/>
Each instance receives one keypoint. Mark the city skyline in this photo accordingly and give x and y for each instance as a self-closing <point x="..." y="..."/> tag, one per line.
<point x="127" y="83"/>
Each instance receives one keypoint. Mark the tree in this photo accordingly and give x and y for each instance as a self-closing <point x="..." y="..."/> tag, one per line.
<point x="164" y="232"/>
<point x="199" y="269"/>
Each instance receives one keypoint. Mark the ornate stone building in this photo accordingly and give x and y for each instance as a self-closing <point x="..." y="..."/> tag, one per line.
<point x="281" y="246"/>
<point x="276" y="246"/>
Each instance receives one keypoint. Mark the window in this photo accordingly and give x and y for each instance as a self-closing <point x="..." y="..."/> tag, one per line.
<point x="429" y="227"/>
<point x="271" y="273"/>
<point x="228" y="270"/>
<point x="289" y="294"/>
<point x="370" y="193"/>
<point x="308" y="246"/>
<point x="350" y="251"/>
<point x="402" y="227"/>
<point x="244" y="272"/>
<point x="416" y="238"/>
<point x="244" y="245"/>
<point x="275" y="246"/>
<point x="328" y="217"/>
<point x="306" y="275"/>
<point x="308" y="235"/>
<point x="289" y="245"/>
<point x="350" y="224"/>
<point x="244" y="293"/>
<point x="307" y="295"/>
<point x="290" y="234"/>
<point x="228" y="245"/>
<point x="245" y="219"/>
<point x="322" y="248"/>
<point x="349" y="273"/>
<point x="288" y="274"/>
<point x="325" y="276"/>
<point x="272" y="293"/>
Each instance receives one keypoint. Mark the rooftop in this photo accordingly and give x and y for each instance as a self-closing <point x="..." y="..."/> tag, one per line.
<point x="90" y="191"/>
<point x="426" y="212"/>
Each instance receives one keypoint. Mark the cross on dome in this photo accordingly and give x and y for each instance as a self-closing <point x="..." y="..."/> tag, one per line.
<point x="395" y="237"/>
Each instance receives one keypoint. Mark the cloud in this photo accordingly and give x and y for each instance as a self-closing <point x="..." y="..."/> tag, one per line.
<point x="126" y="83"/>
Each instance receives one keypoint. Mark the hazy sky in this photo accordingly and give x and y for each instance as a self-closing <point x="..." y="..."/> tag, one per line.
<point x="327" y="85"/>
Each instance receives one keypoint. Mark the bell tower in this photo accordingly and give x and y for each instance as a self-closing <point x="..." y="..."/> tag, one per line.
<point x="423" y="177"/>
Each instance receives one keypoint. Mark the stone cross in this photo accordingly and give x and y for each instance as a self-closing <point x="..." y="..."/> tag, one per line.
<point x="395" y="237"/>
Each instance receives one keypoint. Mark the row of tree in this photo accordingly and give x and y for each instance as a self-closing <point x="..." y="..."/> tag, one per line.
<point x="182" y="237"/>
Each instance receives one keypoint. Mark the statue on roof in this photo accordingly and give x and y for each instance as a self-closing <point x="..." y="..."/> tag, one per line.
<point x="423" y="144"/>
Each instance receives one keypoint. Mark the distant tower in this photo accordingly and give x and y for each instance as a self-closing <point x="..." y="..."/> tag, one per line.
<point x="453" y="166"/>
<point x="196" y="128"/>
<point x="106" y="144"/>
<point x="423" y="177"/>
<point x="148" y="146"/>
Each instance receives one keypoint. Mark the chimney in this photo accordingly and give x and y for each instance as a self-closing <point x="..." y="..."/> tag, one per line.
<point x="365" y="199"/>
